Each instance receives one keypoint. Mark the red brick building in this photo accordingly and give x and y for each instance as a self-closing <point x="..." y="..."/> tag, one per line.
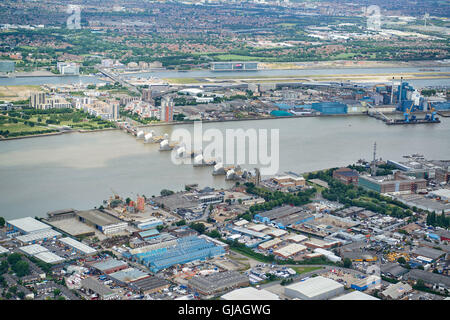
<point x="346" y="175"/>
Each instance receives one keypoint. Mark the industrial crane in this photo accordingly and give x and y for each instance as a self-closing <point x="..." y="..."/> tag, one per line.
<point x="432" y="116"/>
<point x="408" y="112"/>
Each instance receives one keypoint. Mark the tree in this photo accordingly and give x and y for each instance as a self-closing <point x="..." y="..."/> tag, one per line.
<point x="21" y="268"/>
<point x="2" y="222"/>
<point x="199" y="227"/>
<point x="347" y="263"/>
<point x="13" y="290"/>
<point x="21" y="295"/>
<point x="14" y="258"/>
<point x="56" y="292"/>
<point x="166" y="192"/>
<point x="181" y="222"/>
<point x="4" y="266"/>
<point x="214" y="234"/>
<point x="401" y="260"/>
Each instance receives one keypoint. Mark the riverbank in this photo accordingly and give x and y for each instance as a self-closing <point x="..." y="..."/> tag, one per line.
<point x="349" y="64"/>
<point x="57" y="133"/>
<point x="266" y="118"/>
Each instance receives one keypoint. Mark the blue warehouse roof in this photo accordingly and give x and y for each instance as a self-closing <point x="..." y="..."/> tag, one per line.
<point x="149" y="233"/>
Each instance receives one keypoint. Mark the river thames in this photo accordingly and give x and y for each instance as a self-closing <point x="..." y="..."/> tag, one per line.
<point x="79" y="170"/>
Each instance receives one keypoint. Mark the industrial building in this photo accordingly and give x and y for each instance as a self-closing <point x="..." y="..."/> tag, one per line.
<point x="269" y="244"/>
<point x="38" y="236"/>
<point x="431" y="253"/>
<point x="346" y="176"/>
<point x="250" y="293"/>
<point x="289" y="181"/>
<point x="147" y="224"/>
<point x="150" y="285"/>
<point x="218" y="282"/>
<point x="429" y="278"/>
<point x="77" y="246"/>
<point x="314" y="243"/>
<point x="328" y="254"/>
<point x="25" y="225"/>
<point x="250" y="233"/>
<point x="327" y="108"/>
<point x="149" y="234"/>
<point x="290" y="250"/>
<point x="397" y="183"/>
<point x="276" y="213"/>
<point x="41" y="253"/>
<point x="366" y="283"/>
<point x="393" y="270"/>
<point x="102" y="221"/>
<point x="349" y="212"/>
<point x="276" y="232"/>
<point x="125" y="276"/>
<point x="110" y="266"/>
<point x="293" y="219"/>
<point x="284" y="216"/>
<point x="317" y="288"/>
<point x="356" y="295"/>
<point x="166" y="254"/>
<point x="297" y="238"/>
<point x="3" y="250"/>
<point x="396" y="291"/>
<point x="92" y="285"/>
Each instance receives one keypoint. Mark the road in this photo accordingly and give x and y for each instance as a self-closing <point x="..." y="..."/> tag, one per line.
<point x="118" y="79"/>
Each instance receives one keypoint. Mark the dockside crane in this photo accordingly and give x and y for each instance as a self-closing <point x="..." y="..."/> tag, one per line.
<point x="408" y="113"/>
<point x="431" y="116"/>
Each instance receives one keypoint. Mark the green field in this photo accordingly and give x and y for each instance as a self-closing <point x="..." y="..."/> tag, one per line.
<point x="20" y="127"/>
<point x="182" y="80"/>
<point x="301" y="270"/>
<point x="31" y="122"/>
<point x="232" y="57"/>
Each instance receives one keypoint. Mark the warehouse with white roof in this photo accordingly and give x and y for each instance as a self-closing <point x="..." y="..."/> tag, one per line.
<point x="3" y="250"/>
<point x="39" y="236"/>
<point x="297" y="238"/>
<point x="78" y="246"/>
<point x="250" y="293"/>
<point x="269" y="244"/>
<point x="26" y="226"/>
<point x="290" y="250"/>
<point x="317" y="288"/>
<point x="41" y="253"/>
<point x="49" y="257"/>
<point x="356" y="295"/>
